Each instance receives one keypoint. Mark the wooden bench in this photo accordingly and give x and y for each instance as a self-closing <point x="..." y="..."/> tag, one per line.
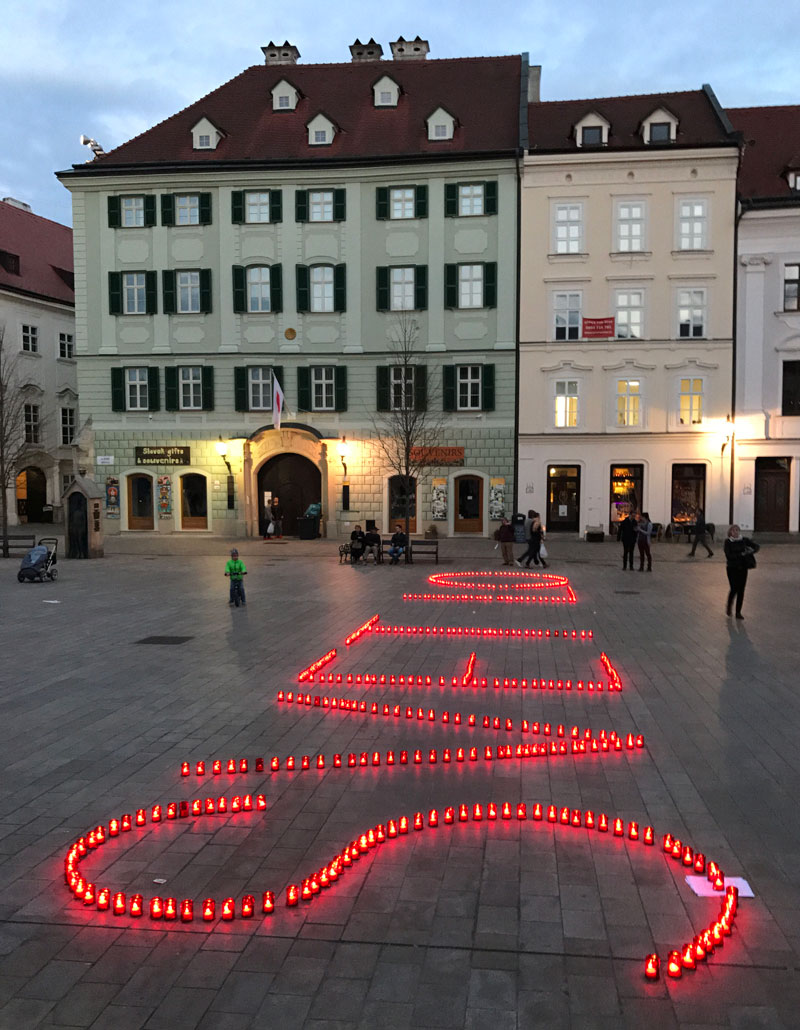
<point x="21" y="542"/>
<point x="344" y="553"/>
<point x="425" y="549"/>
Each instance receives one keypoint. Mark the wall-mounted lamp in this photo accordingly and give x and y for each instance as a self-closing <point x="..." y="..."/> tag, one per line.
<point x="344" y="453"/>
<point x="222" y="451"/>
<point x="727" y="433"/>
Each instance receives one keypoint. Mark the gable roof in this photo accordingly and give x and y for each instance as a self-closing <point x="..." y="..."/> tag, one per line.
<point x="44" y="249"/>
<point x="550" y="123"/>
<point x="771" y="148"/>
<point x="482" y="92"/>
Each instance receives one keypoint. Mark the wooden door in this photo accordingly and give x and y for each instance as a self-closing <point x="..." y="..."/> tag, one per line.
<point x="772" y="495"/>
<point x="469" y="504"/>
<point x="563" y="498"/>
<point x="140" y="502"/>
<point x="194" y="504"/>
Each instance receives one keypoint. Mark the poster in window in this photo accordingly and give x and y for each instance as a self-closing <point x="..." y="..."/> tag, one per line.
<point x="112" y="497"/>
<point x="164" y="497"/>
<point x="497" y="498"/>
<point x="439" y="499"/>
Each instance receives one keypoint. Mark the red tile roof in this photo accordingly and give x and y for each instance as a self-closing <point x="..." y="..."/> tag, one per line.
<point x="482" y="93"/>
<point x="551" y="123"/>
<point x="771" y="148"/>
<point x="44" y="250"/>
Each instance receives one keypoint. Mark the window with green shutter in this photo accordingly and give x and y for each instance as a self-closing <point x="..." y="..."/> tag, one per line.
<point x="168" y="291"/>
<point x="421" y="287"/>
<point x="451" y="200"/>
<point x="239" y="293"/>
<point x="241" y="398"/>
<point x="421" y="202"/>
<point x="449" y="388"/>
<point x="151" y="292"/>
<point x="237" y="207"/>
<point x="204" y="205"/>
<point x="114" y="215"/>
<point x="208" y="387"/>
<point x="301" y="205"/>
<point x="490" y="198"/>
<point x="303" y="289"/>
<point x="381" y="203"/>
<point x="171" y="399"/>
<point x="205" y="291"/>
<point x="276" y="205"/>
<point x="153" y="389"/>
<point x="487" y="388"/>
<point x="490" y="284"/>
<point x="340" y="288"/>
<point x="339" y="205"/>
<point x="420" y="388"/>
<point x="115" y="293"/>
<point x="381" y="288"/>
<point x="451" y="286"/>
<point x="276" y="288"/>
<point x="304" y="389"/>
<point x="340" y="387"/>
<point x="383" y="399"/>
<point x="150" y="209"/>
<point x="167" y="209"/>
<point x="117" y="389"/>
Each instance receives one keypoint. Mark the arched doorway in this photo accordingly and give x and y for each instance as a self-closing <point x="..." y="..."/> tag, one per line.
<point x="31" y="494"/>
<point x="140" y="501"/>
<point x="296" y="481"/>
<point x="194" y="502"/>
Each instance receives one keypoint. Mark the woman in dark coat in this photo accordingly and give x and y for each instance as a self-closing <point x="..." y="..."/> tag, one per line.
<point x="627" y="534"/>
<point x="739" y="553"/>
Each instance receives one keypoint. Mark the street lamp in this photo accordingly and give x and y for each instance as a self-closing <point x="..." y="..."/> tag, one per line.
<point x="344" y="453"/>
<point x="222" y="450"/>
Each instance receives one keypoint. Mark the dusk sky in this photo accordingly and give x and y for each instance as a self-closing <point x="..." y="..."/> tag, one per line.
<point x="112" y="71"/>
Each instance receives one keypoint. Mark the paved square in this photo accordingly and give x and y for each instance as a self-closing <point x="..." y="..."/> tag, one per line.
<point x="492" y="923"/>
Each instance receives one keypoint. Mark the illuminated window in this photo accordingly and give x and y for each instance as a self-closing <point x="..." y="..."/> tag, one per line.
<point x="691" y="402"/>
<point x="628" y="402"/>
<point x="566" y="414"/>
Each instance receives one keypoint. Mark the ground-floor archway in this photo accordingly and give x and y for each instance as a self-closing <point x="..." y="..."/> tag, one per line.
<point x="194" y="501"/>
<point x="31" y="494"/>
<point x="295" y="481"/>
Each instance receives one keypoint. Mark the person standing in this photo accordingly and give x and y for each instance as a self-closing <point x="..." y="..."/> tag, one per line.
<point x="276" y="514"/>
<point x="740" y="556"/>
<point x="700" y="533"/>
<point x="535" y="534"/>
<point x="236" y="571"/>
<point x="644" y="530"/>
<point x="627" y="534"/>
<point x="505" y="534"/>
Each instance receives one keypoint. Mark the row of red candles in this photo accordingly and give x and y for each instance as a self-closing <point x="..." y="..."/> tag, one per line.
<point x="421" y="680"/>
<point x="478" y="631"/>
<point x="490" y="598"/>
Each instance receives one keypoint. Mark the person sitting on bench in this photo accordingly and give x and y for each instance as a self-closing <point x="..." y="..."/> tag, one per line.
<point x="398" y="544"/>
<point x="356" y="545"/>
<point x="372" y="545"/>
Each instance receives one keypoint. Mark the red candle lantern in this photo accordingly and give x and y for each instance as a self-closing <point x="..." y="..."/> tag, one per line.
<point x="136" y="906"/>
<point x="222" y="805"/>
<point x="103" y="899"/>
<point x="156" y="908"/>
<point x="247" y="803"/>
<point x="602" y="823"/>
<point x="537" y="811"/>
<point x="248" y="906"/>
<point x="522" y="811"/>
<point x="652" y="967"/>
<point x="433" y="817"/>
<point x="118" y="906"/>
<point x="89" y="895"/>
<point x="633" y="831"/>
<point x="477" y="812"/>
<point x="210" y="807"/>
<point x="552" y="815"/>
<point x="228" y="909"/>
<point x="463" y="813"/>
<point x="391" y="828"/>
<point x="674" y="965"/>
<point x="491" y="810"/>
<point x="125" y="823"/>
<point x="261" y="803"/>
<point x="687" y="957"/>
<point x="506" y="811"/>
<point x="197" y="807"/>
<point x="141" y="818"/>
<point x="564" y="816"/>
<point x="576" y="817"/>
<point x="699" y="862"/>
<point x="649" y="835"/>
<point x="403" y="824"/>
<point x="113" y="828"/>
<point x="449" y="814"/>
<point x="274" y="764"/>
<point x="184" y="768"/>
<point x="187" y="910"/>
<point x="200" y="768"/>
<point x="170" y="908"/>
<point x="236" y="804"/>
<point x="268" y="900"/>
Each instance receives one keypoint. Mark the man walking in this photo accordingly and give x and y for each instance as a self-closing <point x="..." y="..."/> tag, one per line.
<point x="700" y="533"/>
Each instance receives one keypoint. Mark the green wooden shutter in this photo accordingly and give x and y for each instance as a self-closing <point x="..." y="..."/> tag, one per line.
<point x="451" y="199"/>
<point x="303" y="288"/>
<point x="150" y="209"/>
<point x="208" y="387"/>
<point x="383" y="401"/>
<point x="340" y="387"/>
<point x="381" y="202"/>
<point x="114" y="214"/>
<point x="171" y="389"/>
<point x="381" y="288"/>
<point x="301" y="205"/>
<point x="241" y="391"/>
<point x="490" y="284"/>
<point x="340" y="288"/>
<point x="204" y="208"/>
<point x="303" y="389"/>
<point x="487" y="388"/>
<point x="339" y="205"/>
<point x="420" y="387"/>
<point x="168" y="291"/>
<point x="237" y="207"/>
<point x="167" y="209"/>
<point x="490" y="197"/>
<point x="451" y="286"/>
<point x="276" y="205"/>
<point x="117" y="389"/>
<point x="153" y="389"/>
<point x="205" y="291"/>
<point x="448" y="387"/>
<point x="151" y="293"/>
<point x="276" y="288"/>
<point x="421" y="287"/>
<point x="421" y="202"/>
<point x="115" y="293"/>
<point x="239" y="295"/>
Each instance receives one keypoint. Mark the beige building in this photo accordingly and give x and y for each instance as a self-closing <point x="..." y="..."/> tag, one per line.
<point x="626" y="300"/>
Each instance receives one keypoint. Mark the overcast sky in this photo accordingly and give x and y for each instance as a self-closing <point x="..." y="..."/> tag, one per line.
<point x="111" y="70"/>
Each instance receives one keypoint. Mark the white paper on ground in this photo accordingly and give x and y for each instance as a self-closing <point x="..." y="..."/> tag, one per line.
<point x="51" y="602"/>
<point x="703" y="888"/>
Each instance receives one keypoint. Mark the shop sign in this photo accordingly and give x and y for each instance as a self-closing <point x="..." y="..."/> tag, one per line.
<point x="163" y="455"/>
<point x="105" y="459"/>
<point x="437" y="455"/>
<point x="598" y="328"/>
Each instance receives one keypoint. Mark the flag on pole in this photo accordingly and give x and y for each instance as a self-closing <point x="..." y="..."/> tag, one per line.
<point x="277" y="402"/>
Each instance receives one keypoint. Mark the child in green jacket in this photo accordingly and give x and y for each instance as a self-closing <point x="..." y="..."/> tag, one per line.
<point x="236" y="570"/>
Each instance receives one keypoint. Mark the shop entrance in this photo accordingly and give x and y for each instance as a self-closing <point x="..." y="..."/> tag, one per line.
<point x="772" y="495"/>
<point x="194" y="503"/>
<point x="295" y="481"/>
<point x="563" y="498"/>
<point x="688" y="493"/>
<point x="31" y="494"/>
<point x="626" y="493"/>
<point x="469" y="504"/>
<point x="402" y="500"/>
<point x="140" y="502"/>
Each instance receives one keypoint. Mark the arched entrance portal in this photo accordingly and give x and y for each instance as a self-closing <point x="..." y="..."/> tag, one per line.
<point x="31" y="494"/>
<point x="296" y="481"/>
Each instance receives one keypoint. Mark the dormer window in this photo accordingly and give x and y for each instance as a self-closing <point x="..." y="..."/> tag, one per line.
<point x="284" y="96"/>
<point x="793" y="178"/>
<point x="204" y="142"/>
<point x="441" y="125"/>
<point x="592" y="130"/>
<point x="592" y="136"/>
<point x="321" y="131"/>
<point x="205" y="135"/>
<point x="320" y="135"/>
<point x="660" y="127"/>
<point x="660" y="132"/>
<point x="386" y="92"/>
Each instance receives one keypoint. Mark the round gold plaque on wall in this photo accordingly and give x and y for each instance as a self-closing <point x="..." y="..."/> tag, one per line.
<point x="290" y="334"/>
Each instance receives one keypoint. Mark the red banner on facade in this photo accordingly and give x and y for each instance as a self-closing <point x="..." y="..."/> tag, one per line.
<point x="598" y="328"/>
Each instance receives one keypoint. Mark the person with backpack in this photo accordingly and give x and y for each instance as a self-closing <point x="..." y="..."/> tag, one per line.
<point x="740" y="553"/>
<point x="236" y="571"/>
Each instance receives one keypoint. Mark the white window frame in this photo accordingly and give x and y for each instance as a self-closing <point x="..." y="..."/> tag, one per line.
<point x="66" y="345"/>
<point x="134" y="293"/>
<point x="692" y="225"/>
<point x="791" y="287"/>
<point x="30" y="338"/>
<point x="69" y="424"/>
<point x="566" y="304"/>
<point x="401" y="288"/>
<point x="692" y="313"/>
<point x="32" y="425"/>
<point x="630" y="228"/>
<point x="187" y="292"/>
<point x="629" y="313"/>
<point x="320" y="205"/>
<point x="401" y="387"/>
<point x="471" y="199"/>
<point x="256" y="207"/>
<point x="402" y="202"/>
<point x="566" y="408"/>
<point x="323" y="388"/>
<point x="592" y="128"/>
<point x="284" y="102"/>
<point x="628" y="404"/>
<point x="258" y="289"/>
<point x="131" y="212"/>
<point x="259" y="388"/>
<point x="441" y="131"/>
<point x="203" y="141"/>
<point x="470" y="286"/>
<point x="187" y="208"/>
<point x="320" y="280"/>
<point x="67" y="479"/>
<point x="190" y="385"/>
<point x="385" y="98"/>
<point x="568" y="227"/>
<point x="137" y="397"/>
<point x="687" y="390"/>
<point x="320" y="137"/>
<point x="469" y="387"/>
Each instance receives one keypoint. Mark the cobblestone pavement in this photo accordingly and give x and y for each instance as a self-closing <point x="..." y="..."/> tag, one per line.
<point x="502" y="924"/>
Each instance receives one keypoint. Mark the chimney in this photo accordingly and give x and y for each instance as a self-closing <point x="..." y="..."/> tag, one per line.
<point x="274" y="53"/>
<point x="360" y="52"/>
<point x="534" y="79"/>
<point x="412" y="50"/>
<point x="13" y="202"/>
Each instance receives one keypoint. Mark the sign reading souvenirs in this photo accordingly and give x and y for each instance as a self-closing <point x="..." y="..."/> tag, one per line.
<point x="598" y="328"/>
<point x="163" y="455"/>
<point x="438" y="455"/>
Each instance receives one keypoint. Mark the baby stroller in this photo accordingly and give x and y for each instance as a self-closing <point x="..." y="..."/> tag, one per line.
<point x="39" y="563"/>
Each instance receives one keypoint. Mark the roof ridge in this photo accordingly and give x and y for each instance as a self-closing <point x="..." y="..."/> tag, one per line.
<point x="766" y="107"/>
<point x="33" y="214"/>
<point x="621" y="96"/>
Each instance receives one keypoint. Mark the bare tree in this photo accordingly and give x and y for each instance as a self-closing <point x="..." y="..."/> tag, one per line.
<point x="13" y="444"/>
<point x="410" y="423"/>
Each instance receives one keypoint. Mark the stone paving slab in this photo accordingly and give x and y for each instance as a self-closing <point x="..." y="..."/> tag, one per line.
<point x="475" y="925"/>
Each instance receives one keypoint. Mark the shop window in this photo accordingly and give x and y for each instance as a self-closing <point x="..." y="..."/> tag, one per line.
<point x="688" y="493"/>
<point x="625" y="492"/>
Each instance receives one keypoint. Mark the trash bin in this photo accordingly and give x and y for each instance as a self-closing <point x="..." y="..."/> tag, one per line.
<point x="518" y="522"/>
<point x="47" y="513"/>
<point x="308" y="527"/>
